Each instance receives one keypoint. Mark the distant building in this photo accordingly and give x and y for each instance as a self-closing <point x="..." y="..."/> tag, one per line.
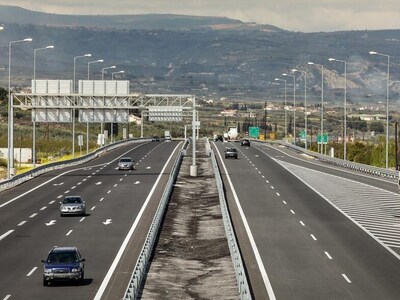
<point x="369" y="117"/>
<point x="229" y="113"/>
<point x="135" y="119"/>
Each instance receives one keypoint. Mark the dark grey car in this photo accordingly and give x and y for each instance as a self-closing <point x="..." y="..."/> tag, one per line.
<point x="231" y="153"/>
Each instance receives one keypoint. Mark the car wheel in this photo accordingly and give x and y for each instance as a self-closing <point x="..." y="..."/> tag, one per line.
<point x="82" y="278"/>
<point x="61" y="215"/>
<point x="45" y="282"/>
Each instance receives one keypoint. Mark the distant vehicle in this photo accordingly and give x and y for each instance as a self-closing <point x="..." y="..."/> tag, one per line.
<point x="245" y="142"/>
<point x="63" y="263"/>
<point x="126" y="163"/>
<point x="232" y="133"/>
<point x="155" y="139"/>
<point x="72" y="205"/>
<point x="167" y="135"/>
<point x="219" y="138"/>
<point x="231" y="153"/>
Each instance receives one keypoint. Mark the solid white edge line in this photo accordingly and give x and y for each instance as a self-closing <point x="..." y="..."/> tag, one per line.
<point x="339" y="209"/>
<point x="31" y="272"/>
<point x="260" y="263"/>
<point x="121" y="250"/>
<point x="5" y="234"/>
<point x="7" y="297"/>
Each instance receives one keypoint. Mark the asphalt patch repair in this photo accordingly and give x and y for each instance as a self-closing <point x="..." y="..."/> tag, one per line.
<point x="192" y="258"/>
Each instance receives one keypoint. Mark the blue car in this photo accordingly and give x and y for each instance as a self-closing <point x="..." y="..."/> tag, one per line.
<point x="63" y="264"/>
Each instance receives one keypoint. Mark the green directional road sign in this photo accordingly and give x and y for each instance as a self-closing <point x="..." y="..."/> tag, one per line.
<point x="324" y="138"/>
<point x="254" y="132"/>
<point x="303" y="135"/>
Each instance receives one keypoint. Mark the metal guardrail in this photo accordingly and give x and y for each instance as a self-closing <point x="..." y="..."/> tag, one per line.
<point x="18" y="179"/>
<point x="142" y="263"/>
<point x="241" y="278"/>
<point x="376" y="171"/>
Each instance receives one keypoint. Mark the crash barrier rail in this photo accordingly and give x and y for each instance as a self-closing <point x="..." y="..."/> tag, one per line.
<point x="143" y="261"/>
<point x="18" y="179"/>
<point x="241" y="278"/>
<point x="376" y="171"/>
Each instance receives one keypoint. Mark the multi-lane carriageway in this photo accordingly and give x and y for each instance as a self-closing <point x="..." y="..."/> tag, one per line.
<point x="317" y="232"/>
<point x="30" y="223"/>
<point x="306" y="230"/>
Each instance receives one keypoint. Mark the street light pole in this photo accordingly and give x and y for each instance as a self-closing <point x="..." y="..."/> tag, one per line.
<point x="322" y="104"/>
<point x="87" y="123"/>
<point x="344" y="107"/>
<point x="92" y="62"/>
<point x="305" y="104"/>
<point x="294" y="104"/>
<point x="73" y="107"/>
<point x="119" y="72"/>
<point x="278" y="79"/>
<point x="10" y="142"/>
<point x="106" y="68"/>
<point x="34" y="111"/>
<point x="387" y="104"/>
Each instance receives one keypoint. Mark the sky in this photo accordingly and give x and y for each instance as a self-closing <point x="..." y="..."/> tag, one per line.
<point x="293" y="15"/>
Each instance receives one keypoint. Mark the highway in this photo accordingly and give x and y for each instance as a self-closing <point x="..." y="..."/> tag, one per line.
<point x="311" y="231"/>
<point x="30" y="222"/>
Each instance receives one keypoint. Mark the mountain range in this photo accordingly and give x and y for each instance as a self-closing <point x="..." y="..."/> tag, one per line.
<point x="210" y="57"/>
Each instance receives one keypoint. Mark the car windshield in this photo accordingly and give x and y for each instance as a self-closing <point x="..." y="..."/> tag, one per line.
<point x="123" y="160"/>
<point x="62" y="257"/>
<point x="231" y="149"/>
<point x="72" y="200"/>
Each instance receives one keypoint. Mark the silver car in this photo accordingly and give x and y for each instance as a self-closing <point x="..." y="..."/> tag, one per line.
<point x="126" y="163"/>
<point x="73" y="205"/>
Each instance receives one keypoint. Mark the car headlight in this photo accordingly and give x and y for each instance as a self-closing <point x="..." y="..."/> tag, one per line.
<point x="46" y="270"/>
<point x="74" y="270"/>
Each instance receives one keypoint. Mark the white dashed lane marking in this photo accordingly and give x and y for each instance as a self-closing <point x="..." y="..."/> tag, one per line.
<point x="31" y="272"/>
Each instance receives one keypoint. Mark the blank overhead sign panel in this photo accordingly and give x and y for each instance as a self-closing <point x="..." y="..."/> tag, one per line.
<point x="104" y="87"/>
<point x="103" y="115"/>
<point x="165" y="113"/>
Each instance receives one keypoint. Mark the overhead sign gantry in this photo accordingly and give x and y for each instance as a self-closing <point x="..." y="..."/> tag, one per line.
<point x="98" y="101"/>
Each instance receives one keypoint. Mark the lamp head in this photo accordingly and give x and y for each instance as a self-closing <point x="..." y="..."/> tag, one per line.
<point x="331" y="59"/>
<point x="50" y="47"/>
<point x="28" y="40"/>
<point x="294" y="70"/>
<point x="373" y="52"/>
<point x="277" y="79"/>
<point x="284" y="74"/>
<point x="100" y="60"/>
<point x="310" y="63"/>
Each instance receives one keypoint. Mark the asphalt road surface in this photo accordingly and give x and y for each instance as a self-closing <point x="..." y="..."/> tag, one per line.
<point x="30" y="222"/>
<point x="313" y="231"/>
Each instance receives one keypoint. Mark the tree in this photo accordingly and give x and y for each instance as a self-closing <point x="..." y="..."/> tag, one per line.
<point x="377" y="127"/>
